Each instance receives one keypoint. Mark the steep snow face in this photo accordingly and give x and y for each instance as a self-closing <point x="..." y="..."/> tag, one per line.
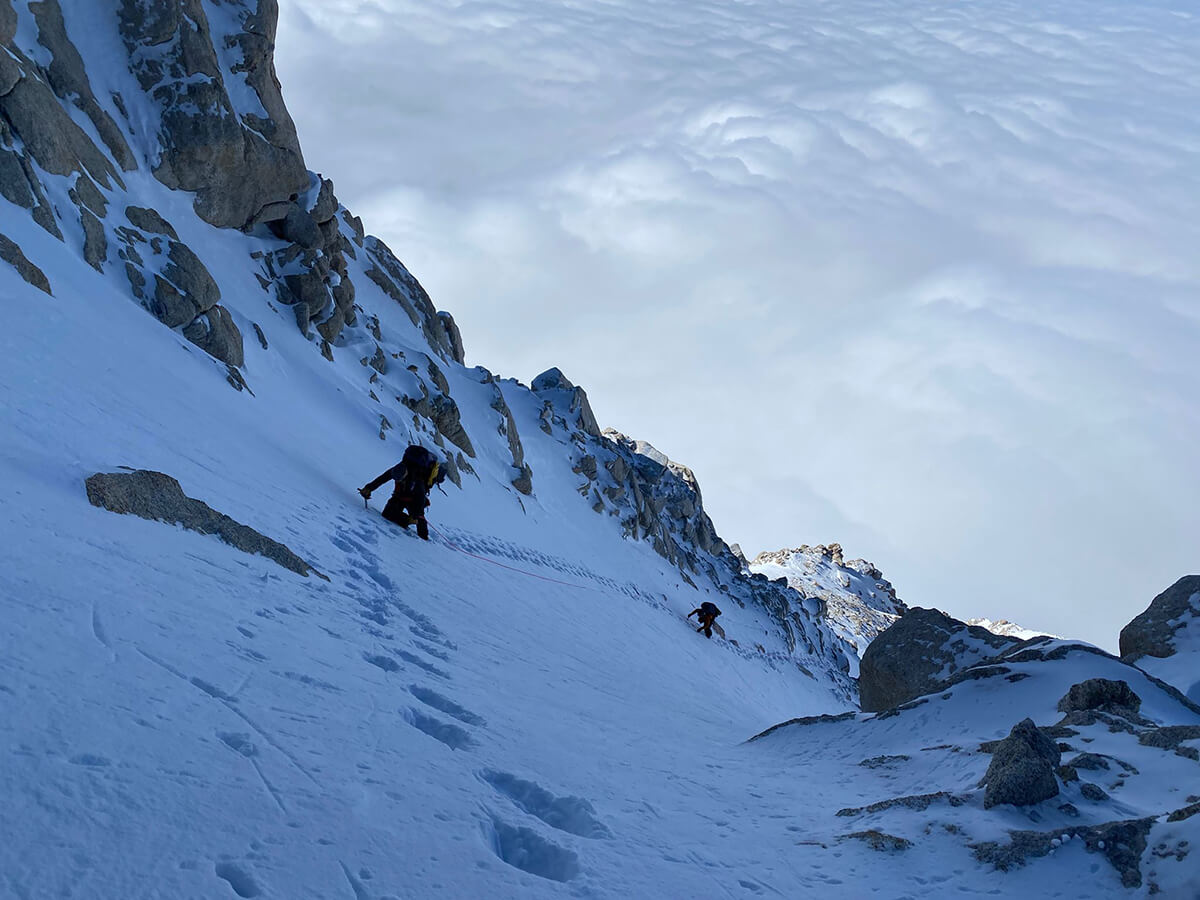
<point x="193" y="88"/>
<point x="857" y="601"/>
<point x="514" y="709"/>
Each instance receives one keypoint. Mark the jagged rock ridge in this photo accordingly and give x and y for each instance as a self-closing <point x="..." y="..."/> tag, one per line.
<point x="857" y="601"/>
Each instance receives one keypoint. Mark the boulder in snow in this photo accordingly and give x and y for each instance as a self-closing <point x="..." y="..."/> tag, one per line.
<point x="1115" y="697"/>
<point x="1022" y="768"/>
<point x="1165" y="639"/>
<point x="1154" y="632"/>
<point x="917" y="654"/>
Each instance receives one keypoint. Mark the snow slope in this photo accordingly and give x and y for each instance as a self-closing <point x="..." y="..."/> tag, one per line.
<point x="177" y="712"/>
<point x="183" y="720"/>
<point x="516" y="708"/>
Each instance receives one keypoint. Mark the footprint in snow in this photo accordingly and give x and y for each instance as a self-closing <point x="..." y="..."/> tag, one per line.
<point x="239" y="879"/>
<point x="444" y="704"/>
<point x="452" y="736"/>
<point x="384" y="662"/>
<point x="573" y="815"/>
<point x="525" y="849"/>
<point x="91" y="761"/>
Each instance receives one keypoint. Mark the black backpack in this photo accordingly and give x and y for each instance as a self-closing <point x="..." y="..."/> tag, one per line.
<point x="418" y="465"/>
<point x="709" y="609"/>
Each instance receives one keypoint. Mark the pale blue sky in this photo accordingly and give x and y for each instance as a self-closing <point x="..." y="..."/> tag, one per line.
<point x="920" y="278"/>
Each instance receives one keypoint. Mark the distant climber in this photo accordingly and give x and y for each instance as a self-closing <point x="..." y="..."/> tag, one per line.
<point x="415" y="475"/>
<point x="706" y="614"/>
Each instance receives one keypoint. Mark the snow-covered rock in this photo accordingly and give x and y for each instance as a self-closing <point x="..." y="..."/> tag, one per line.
<point x="218" y="125"/>
<point x="920" y="653"/>
<point x="1165" y="639"/>
<point x="1006" y="628"/>
<point x="925" y="771"/>
<point x="856" y="600"/>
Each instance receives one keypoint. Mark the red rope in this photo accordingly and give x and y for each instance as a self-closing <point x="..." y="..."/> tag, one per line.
<point x="454" y="546"/>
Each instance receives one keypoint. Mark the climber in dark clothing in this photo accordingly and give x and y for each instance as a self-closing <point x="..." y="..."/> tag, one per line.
<point x="415" y="475"/>
<point x="706" y="615"/>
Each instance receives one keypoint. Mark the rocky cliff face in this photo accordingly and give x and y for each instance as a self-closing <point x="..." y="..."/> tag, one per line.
<point x="150" y="140"/>
<point x="199" y="108"/>
<point x="216" y="111"/>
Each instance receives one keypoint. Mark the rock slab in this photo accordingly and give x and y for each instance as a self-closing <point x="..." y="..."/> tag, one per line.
<point x="158" y="497"/>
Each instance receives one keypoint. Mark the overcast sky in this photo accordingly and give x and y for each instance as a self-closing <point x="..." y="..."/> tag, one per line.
<point x="920" y="278"/>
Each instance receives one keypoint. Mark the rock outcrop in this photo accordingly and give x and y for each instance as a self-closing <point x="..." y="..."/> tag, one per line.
<point x="1022" y="768"/>
<point x="1121" y="843"/>
<point x="522" y="478"/>
<point x="11" y="253"/>
<point x="175" y="286"/>
<point x="39" y="138"/>
<point x="1115" y="697"/>
<point x="1155" y="632"/>
<point x="239" y="164"/>
<point x="918" y="654"/>
<point x="1165" y="639"/>
<point x="552" y="384"/>
<point x="158" y="497"/>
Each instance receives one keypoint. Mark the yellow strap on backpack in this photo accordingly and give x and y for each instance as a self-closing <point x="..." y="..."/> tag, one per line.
<point x="433" y="474"/>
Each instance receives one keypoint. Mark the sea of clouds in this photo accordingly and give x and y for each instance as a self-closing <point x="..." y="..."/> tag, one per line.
<point x="922" y="278"/>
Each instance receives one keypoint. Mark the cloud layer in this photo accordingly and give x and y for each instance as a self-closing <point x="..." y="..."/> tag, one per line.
<point x="919" y="278"/>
